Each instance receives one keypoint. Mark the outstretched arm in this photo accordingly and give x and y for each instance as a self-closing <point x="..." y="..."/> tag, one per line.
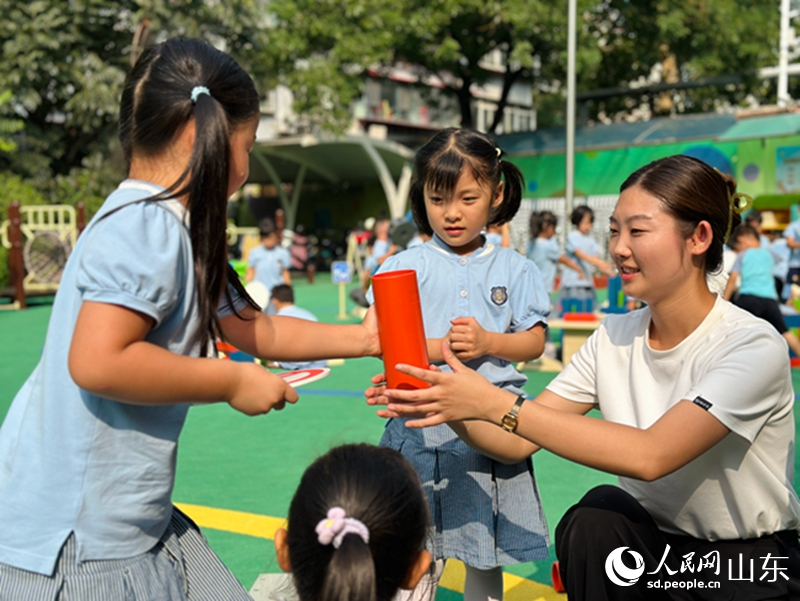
<point x="565" y="260"/>
<point x="292" y="339"/>
<point x="110" y="357"/>
<point x="552" y="422"/>
<point x="730" y="287"/>
<point x="603" y="266"/>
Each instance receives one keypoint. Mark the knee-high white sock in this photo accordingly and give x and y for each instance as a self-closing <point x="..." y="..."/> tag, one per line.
<point x="483" y="585"/>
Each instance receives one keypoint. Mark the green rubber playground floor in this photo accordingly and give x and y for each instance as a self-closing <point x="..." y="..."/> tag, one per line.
<point x="251" y="466"/>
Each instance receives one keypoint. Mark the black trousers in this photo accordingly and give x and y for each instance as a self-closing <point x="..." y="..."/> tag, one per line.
<point x="609" y="547"/>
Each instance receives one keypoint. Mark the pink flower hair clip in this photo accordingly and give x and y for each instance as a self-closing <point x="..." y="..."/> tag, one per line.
<point x="337" y="525"/>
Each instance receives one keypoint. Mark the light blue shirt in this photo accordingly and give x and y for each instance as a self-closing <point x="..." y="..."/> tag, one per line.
<point x="755" y="267"/>
<point x="793" y="231"/>
<point x="300" y="313"/>
<point x="589" y="246"/>
<point x="415" y="241"/>
<point x="379" y="248"/>
<point x="497" y="286"/>
<point x="493" y="238"/>
<point x="780" y="251"/>
<point x="76" y="462"/>
<point x="544" y="252"/>
<point x="269" y="264"/>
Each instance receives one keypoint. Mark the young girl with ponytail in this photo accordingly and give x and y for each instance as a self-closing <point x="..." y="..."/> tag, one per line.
<point x="543" y="248"/>
<point x="89" y="444"/>
<point x="357" y="527"/>
<point x="489" y="304"/>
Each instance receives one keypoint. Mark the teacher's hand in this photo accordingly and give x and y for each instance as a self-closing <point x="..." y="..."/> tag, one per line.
<point x="461" y="395"/>
<point x="375" y="395"/>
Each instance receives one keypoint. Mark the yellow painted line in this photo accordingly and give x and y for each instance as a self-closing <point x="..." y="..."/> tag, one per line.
<point x="239" y="522"/>
<point x="515" y="587"/>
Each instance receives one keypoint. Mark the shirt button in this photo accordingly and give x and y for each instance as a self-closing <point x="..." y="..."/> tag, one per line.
<point x="463" y="294"/>
<point x="463" y="261"/>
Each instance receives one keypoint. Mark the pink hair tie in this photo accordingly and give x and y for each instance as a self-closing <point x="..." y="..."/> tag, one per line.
<point x="337" y="525"/>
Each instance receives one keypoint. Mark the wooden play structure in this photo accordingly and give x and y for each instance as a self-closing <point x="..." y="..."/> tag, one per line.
<point x="39" y="239"/>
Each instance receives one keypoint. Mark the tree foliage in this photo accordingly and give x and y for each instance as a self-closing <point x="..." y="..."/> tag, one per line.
<point x="653" y="41"/>
<point x="8" y="127"/>
<point x="65" y="60"/>
<point x="321" y="50"/>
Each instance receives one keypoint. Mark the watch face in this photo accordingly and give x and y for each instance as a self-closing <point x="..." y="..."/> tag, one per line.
<point x="509" y="423"/>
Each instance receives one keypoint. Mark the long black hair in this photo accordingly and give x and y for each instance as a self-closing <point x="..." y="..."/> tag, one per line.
<point x="376" y="486"/>
<point x="439" y="163"/>
<point x="158" y="100"/>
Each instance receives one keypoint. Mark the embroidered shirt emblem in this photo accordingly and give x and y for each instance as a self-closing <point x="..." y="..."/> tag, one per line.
<point x="499" y="295"/>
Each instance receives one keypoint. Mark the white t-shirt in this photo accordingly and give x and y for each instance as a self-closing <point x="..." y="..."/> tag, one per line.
<point x="738" y="367"/>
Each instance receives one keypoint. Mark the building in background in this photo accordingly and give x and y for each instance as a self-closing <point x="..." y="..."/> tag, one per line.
<point x="400" y="106"/>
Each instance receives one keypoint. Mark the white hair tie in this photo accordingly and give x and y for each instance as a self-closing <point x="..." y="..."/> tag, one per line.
<point x="337" y="525"/>
<point x="197" y="90"/>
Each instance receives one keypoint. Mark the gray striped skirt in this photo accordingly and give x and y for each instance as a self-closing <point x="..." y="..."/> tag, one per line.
<point x="483" y="512"/>
<point x="181" y="567"/>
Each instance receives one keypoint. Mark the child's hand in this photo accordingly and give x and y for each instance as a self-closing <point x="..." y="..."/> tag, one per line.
<point x="467" y="338"/>
<point x="375" y="394"/>
<point x="370" y="323"/>
<point x="609" y="269"/>
<point x="258" y="391"/>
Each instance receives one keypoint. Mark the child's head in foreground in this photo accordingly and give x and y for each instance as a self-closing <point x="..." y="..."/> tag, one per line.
<point x="357" y="527"/>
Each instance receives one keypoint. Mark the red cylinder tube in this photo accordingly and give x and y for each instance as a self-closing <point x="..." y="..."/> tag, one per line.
<point x="400" y="326"/>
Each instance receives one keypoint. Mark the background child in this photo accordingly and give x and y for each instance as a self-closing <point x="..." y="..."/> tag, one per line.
<point x="755" y="220"/>
<point x="283" y="303"/>
<point x="490" y="304"/>
<point x="381" y="246"/>
<point x="792" y="236"/>
<point x="357" y="527"/>
<point x="89" y="442"/>
<point x="543" y="248"/>
<point x="499" y="235"/>
<point x="270" y="262"/>
<point x="583" y="249"/>
<point x="755" y="265"/>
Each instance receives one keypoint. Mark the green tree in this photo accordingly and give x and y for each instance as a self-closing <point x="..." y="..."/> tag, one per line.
<point x="321" y="51"/>
<point x="8" y="127"/>
<point x="65" y="61"/>
<point x="679" y="41"/>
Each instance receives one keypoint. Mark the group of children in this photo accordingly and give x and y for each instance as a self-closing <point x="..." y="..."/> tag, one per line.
<point x="89" y="444"/>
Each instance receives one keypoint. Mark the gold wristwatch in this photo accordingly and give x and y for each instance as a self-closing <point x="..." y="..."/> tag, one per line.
<point x="509" y="421"/>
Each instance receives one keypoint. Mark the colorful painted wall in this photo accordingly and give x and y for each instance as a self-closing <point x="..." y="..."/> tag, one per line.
<point x="764" y="166"/>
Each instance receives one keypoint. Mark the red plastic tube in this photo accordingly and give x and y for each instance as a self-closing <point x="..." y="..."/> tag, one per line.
<point x="400" y="326"/>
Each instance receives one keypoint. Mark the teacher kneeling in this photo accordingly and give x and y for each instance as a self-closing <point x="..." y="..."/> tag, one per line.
<point x="696" y="396"/>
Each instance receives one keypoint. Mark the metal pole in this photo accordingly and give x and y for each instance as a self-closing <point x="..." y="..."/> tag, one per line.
<point x="570" y="155"/>
<point x="783" y="56"/>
